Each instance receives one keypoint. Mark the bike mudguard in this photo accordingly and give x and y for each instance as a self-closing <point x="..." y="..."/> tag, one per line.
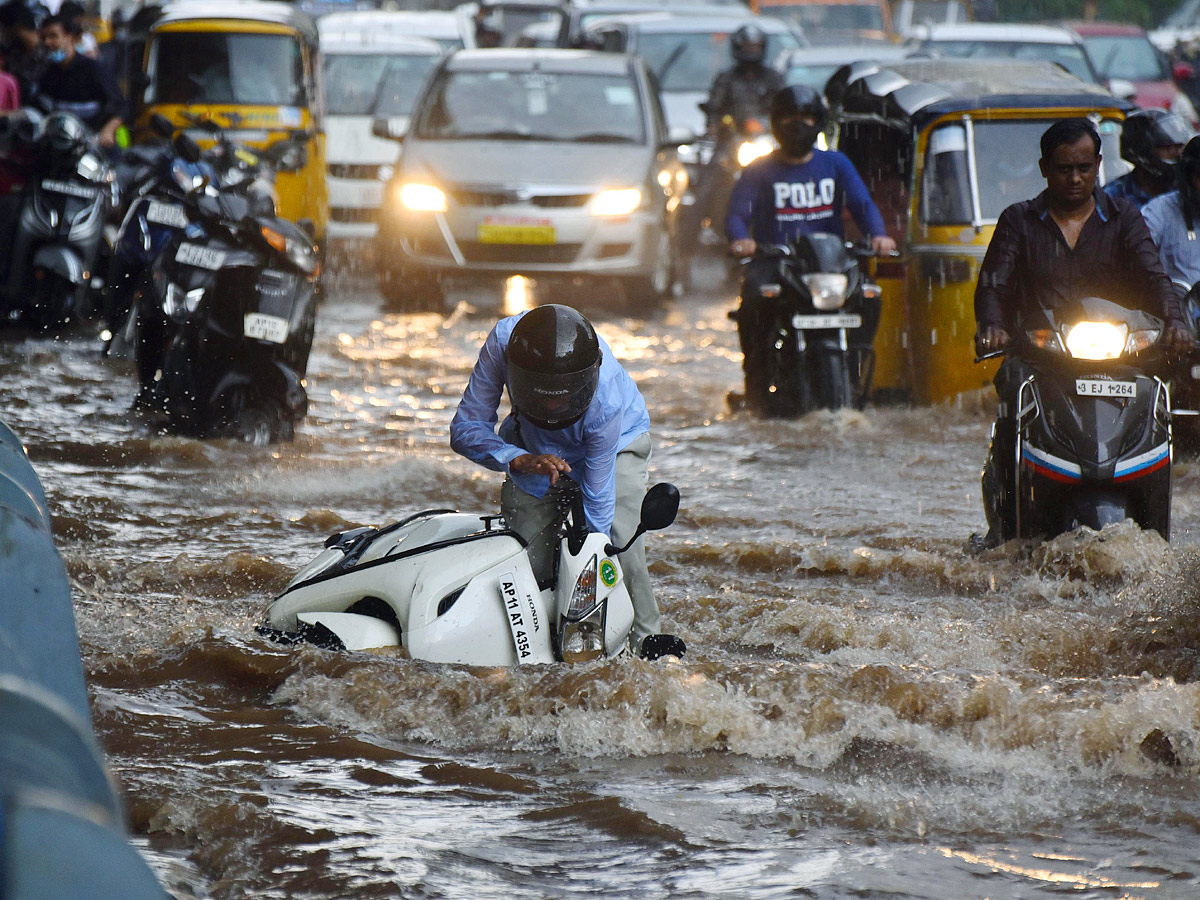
<point x="60" y="260"/>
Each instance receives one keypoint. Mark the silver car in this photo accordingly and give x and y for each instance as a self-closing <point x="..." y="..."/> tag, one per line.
<point x="544" y="163"/>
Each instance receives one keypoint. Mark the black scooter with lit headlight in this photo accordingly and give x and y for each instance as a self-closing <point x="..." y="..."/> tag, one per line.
<point x="226" y="326"/>
<point x="1088" y="441"/>
<point x="807" y="321"/>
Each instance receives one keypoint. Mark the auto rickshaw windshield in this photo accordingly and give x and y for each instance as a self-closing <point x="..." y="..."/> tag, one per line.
<point x="220" y="67"/>
<point x="1005" y="154"/>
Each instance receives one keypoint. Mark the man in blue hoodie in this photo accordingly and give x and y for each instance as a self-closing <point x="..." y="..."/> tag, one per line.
<point x="796" y="190"/>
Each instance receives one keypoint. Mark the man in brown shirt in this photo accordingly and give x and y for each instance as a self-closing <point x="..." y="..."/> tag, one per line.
<point x="1070" y="242"/>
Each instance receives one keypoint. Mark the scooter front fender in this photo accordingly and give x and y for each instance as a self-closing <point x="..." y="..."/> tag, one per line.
<point x="62" y="261"/>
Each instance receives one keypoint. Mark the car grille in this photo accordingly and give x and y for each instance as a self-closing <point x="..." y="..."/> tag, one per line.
<point x="546" y="254"/>
<point x="354" y="170"/>
<point x="492" y="198"/>
<point x="353" y="216"/>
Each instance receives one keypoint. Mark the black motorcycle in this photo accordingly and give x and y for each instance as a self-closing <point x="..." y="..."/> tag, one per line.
<point x="224" y="333"/>
<point x="1088" y="440"/>
<point x="57" y="241"/>
<point x="807" y="321"/>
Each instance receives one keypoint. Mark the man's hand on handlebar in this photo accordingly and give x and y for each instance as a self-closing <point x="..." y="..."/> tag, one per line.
<point x="990" y="340"/>
<point x="1177" y="339"/>
<point x="882" y="245"/>
<point x="743" y="247"/>
<point x="540" y="464"/>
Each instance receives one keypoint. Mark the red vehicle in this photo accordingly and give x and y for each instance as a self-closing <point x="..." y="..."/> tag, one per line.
<point x="1133" y="68"/>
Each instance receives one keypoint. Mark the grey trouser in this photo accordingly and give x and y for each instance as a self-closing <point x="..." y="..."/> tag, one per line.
<point x="532" y="518"/>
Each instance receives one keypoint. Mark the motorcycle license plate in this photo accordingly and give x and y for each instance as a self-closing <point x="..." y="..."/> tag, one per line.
<point x="1097" y="387"/>
<point x="201" y="257"/>
<point x="517" y="230"/>
<point x="519" y="607"/>
<point x="265" y="328"/>
<point x="169" y="214"/>
<point x="71" y="190"/>
<point x="842" y="320"/>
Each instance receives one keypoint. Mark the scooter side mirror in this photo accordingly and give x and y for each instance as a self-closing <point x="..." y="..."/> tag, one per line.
<point x="660" y="506"/>
<point x="186" y="148"/>
<point x="161" y="126"/>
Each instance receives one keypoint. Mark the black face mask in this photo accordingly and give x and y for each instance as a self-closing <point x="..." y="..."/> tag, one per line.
<point x="796" y="138"/>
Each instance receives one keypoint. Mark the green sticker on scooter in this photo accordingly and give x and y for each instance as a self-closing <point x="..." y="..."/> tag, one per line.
<point x="608" y="573"/>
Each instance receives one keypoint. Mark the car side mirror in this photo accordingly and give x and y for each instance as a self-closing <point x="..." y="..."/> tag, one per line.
<point x="388" y="129"/>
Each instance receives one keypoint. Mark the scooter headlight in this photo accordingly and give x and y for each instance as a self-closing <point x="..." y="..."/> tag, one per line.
<point x="583" y="641"/>
<point x="749" y="151"/>
<point x="828" y="290"/>
<point x="1096" y="340"/>
<point x="178" y="303"/>
<point x="299" y="253"/>
<point x="583" y="597"/>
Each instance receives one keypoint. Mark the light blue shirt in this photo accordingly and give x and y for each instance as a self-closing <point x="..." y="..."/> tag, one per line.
<point x="617" y="415"/>
<point x="1180" y="254"/>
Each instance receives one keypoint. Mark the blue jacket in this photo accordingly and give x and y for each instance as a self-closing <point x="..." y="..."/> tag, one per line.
<point x="775" y="201"/>
<point x="616" y="416"/>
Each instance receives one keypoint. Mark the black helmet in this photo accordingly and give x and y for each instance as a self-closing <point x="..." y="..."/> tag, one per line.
<point x="64" y="133"/>
<point x="553" y="362"/>
<point x="1146" y="129"/>
<point x="798" y="98"/>
<point x="748" y="44"/>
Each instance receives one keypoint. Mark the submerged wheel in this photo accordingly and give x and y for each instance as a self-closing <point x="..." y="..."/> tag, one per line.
<point x="832" y="377"/>
<point x="263" y="422"/>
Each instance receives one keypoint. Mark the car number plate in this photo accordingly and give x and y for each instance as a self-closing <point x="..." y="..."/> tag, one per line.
<point x="201" y="257"/>
<point x="66" y="187"/>
<point x="844" y="320"/>
<point x="265" y="328"/>
<point x="1096" y="387"/>
<point x="501" y="230"/>
<point x="170" y="214"/>
<point x="521" y="611"/>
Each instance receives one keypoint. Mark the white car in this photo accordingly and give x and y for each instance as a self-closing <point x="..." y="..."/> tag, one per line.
<point x="442" y="26"/>
<point x="367" y="75"/>
<point x="993" y="40"/>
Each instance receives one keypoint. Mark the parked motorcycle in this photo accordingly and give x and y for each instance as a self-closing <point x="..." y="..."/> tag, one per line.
<point x="458" y="588"/>
<point x="225" y="330"/>
<point x="1090" y="433"/>
<point x="807" y="321"/>
<point x="56" y="241"/>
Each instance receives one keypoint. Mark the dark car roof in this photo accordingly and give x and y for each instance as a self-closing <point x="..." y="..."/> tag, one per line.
<point x="922" y="89"/>
<point x="551" y="60"/>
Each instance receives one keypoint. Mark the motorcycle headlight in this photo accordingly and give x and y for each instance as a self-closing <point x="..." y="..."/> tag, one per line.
<point x="423" y="198"/>
<point x="1142" y="339"/>
<point x="749" y="151"/>
<point x="617" y="202"/>
<point x="1096" y="340"/>
<point x="1045" y="339"/>
<point x="583" y="597"/>
<point x="178" y="303"/>
<point x="828" y="289"/>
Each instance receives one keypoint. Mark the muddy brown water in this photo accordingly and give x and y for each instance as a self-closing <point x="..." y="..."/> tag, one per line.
<point x="866" y="709"/>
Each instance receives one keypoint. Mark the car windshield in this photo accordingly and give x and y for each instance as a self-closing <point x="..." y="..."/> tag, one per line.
<point x="819" y="17"/>
<point x="1006" y="163"/>
<point x="533" y="106"/>
<point x="401" y="84"/>
<point x="223" y="67"/>
<point x="689" y="61"/>
<point x="1131" y="57"/>
<point x="354" y="80"/>
<point x="1070" y="56"/>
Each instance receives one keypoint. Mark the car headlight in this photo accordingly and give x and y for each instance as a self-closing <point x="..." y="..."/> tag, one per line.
<point x="422" y="197"/>
<point x="616" y="202"/>
<point x="749" y="151"/>
<point x="828" y="289"/>
<point x="1096" y="340"/>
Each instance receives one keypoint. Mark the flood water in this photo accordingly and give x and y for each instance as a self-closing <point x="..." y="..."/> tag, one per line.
<point x="866" y="709"/>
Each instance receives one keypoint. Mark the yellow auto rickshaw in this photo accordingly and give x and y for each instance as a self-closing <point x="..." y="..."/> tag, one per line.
<point x="944" y="145"/>
<point x="252" y="68"/>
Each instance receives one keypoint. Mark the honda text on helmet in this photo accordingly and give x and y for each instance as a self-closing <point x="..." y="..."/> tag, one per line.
<point x="748" y="45"/>
<point x="553" y="361"/>
<point x="797" y="116"/>
<point x="1151" y="139"/>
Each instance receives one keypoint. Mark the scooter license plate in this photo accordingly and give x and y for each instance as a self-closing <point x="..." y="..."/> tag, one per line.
<point x="265" y="328"/>
<point x="842" y="320"/>
<point x="521" y="611"/>
<point x="201" y="257"/>
<point x="170" y="214"/>
<point x="1096" y="387"/>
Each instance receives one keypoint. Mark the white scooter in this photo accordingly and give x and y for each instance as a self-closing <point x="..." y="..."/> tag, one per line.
<point x="459" y="588"/>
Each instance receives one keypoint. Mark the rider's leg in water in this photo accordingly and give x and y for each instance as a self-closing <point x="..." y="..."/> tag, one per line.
<point x="753" y="316"/>
<point x="533" y="518"/>
<point x="998" y="472"/>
